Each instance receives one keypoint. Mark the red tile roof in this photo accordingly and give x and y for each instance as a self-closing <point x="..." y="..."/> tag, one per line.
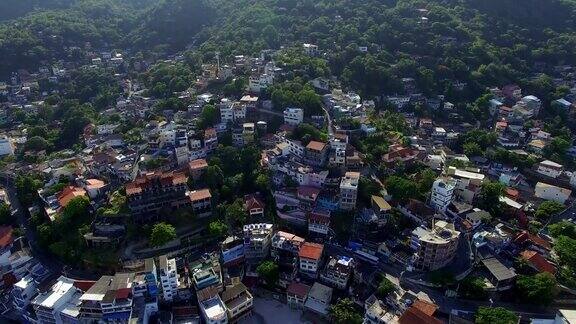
<point x="524" y="237"/>
<point x="426" y="307"/>
<point x="414" y="315"/>
<point x="252" y="202"/>
<point x="84" y="285"/>
<point x="538" y="261"/>
<point x="70" y="193"/>
<point x="200" y="194"/>
<point x="6" y="236"/>
<point x="316" y="146"/>
<point x="198" y="164"/>
<point x="299" y="289"/>
<point x="311" y="251"/>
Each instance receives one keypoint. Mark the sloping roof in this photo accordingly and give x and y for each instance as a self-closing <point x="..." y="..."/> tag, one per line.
<point x="498" y="270"/>
<point x="5" y="236"/>
<point x="252" y="202"/>
<point x="232" y="292"/>
<point x="311" y="251"/>
<point x="316" y="146"/>
<point x="299" y="289"/>
<point x="70" y="193"/>
<point x="200" y="194"/>
<point x="538" y="261"/>
<point x="198" y="164"/>
<point x="414" y="315"/>
<point x="426" y="307"/>
<point x="381" y="203"/>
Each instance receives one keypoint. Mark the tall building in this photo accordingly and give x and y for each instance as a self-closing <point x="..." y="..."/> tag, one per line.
<point x="168" y="277"/>
<point x="23" y="292"/>
<point x="435" y="247"/>
<point x="316" y="153"/>
<point x="108" y="300"/>
<point x="212" y="307"/>
<point x="293" y="116"/>
<point x="257" y="241"/>
<point x="338" y="271"/>
<point x="59" y="304"/>
<point x="349" y="190"/>
<point x="151" y="193"/>
<point x="442" y="193"/>
<point x="310" y="256"/>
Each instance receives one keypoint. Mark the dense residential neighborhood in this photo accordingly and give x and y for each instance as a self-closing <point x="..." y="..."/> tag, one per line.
<point x="220" y="183"/>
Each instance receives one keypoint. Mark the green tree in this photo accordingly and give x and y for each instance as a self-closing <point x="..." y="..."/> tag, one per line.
<point x="473" y="288"/>
<point x="472" y="149"/>
<point x="235" y="213"/>
<point x="208" y="117"/>
<point x="565" y="248"/>
<point x="493" y="315"/>
<point x="6" y="217"/>
<point x="268" y="271"/>
<point x="401" y="189"/>
<point x="385" y="287"/>
<point x="548" y="209"/>
<point x="489" y="197"/>
<point x="537" y="289"/>
<point x="344" y="312"/>
<point x="162" y="233"/>
<point x="217" y="229"/>
<point x="563" y="228"/>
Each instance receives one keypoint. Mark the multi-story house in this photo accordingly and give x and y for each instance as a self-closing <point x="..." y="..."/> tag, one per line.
<point x="207" y="272"/>
<point x="296" y="294"/>
<point x="377" y="312"/>
<point x="110" y="299"/>
<point x="201" y="201"/>
<point x="151" y="193"/>
<point x="442" y="194"/>
<point x="23" y="292"/>
<point x="338" y="271"/>
<point x="284" y="251"/>
<point x="436" y="247"/>
<point x="316" y="153"/>
<point x="257" y="241"/>
<point x="151" y="277"/>
<point x="468" y="183"/>
<point x="550" y="169"/>
<point x="212" y="307"/>
<point x="293" y="116"/>
<point x="349" y="190"/>
<point x="319" y="298"/>
<point x="310" y="256"/>
<point x="319" y="222"/>
<point x="60" y="304"/>
<point x="169" y="279"/>
<point x="232" y="250"/>
<point x="238" y="302"/>
<point x="254" y="206"/>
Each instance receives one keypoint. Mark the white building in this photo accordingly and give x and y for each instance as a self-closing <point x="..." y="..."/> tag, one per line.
<point x="293" y="116"/>
<point x="349" y="190"/>
<point x="442" y="194"/>
<point x="338" y="271"/>
<point x="257" y="83"/>
<point x="59" y="304"/>
<point x="376" y="312"/>
<point x="23" y="292"/>
<point x="213" y="310"/>
<point x="532" y="103"/>
<point x="549" y="192"/>
<point x="318" y="299"/>
<point x="168" y="277"/>
<point x="6" y="147"/>
<point x="257" y="241"/>
<point x="435" y="247"/>
<point x="550" y="169"/>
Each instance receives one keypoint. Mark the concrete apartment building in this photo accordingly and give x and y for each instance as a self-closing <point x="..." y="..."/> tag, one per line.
<point x="151" y="193"/>
<point x="550" y="169"/>
<point x="550" y="192"/>
<point x="316" y="153"/>
<point x="109" y="299"/>
<point x="349" y="190"/>
<point x="293" y="116"/>
<point x="310" y="256"/>
<point x="436" y="247"/>
<point x="169" y="278"/>
<point x="257" y="241"/>
<point x="59" y="304"/>
<point x="338" y="271"/>
<point x="442" y="194"/>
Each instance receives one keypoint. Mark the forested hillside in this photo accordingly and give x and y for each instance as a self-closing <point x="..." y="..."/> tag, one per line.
<point x="478" y="42"/>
